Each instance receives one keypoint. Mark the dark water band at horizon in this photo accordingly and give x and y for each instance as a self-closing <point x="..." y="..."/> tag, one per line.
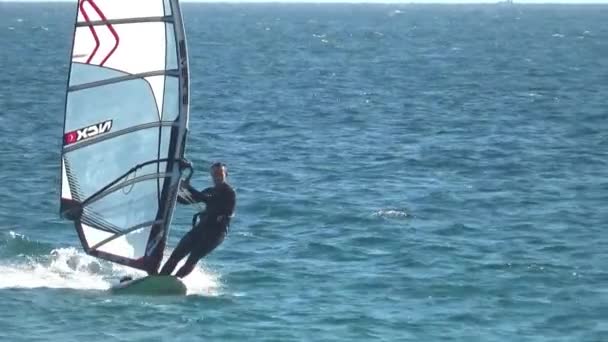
<point x="403" y="172"/>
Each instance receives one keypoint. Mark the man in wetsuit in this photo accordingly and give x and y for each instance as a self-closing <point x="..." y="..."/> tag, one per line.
<point x="213" y="223"/>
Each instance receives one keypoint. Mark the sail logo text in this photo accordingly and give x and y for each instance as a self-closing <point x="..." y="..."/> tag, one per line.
<point x="87" y="132"/>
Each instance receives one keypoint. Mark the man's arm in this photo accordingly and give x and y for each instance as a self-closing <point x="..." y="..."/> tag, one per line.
<point x="195" y="195"/>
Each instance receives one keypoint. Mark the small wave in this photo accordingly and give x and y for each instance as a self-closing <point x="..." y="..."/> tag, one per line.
<point x="377" y="252"/>
<point x="456" y="229"/>
<point x="558" y="35"/>
<point x="16" y="235"/>
<point x="391" y="213"/>
<point x="244" y="234"/>
<point x="13" y="244"/>
<point x="263" y="125"/>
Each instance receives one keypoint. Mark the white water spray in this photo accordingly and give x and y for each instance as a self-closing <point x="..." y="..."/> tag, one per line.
<point x="73" y="269"/>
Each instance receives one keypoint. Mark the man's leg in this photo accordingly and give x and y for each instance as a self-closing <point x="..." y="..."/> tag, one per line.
<point x="210" y="241"/>
<point x="183" y="247"/>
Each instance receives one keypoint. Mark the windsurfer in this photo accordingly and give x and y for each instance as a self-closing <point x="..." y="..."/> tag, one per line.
<point x="212" y="227"/>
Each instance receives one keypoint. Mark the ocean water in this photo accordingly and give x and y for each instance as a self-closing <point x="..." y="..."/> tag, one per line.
<point x="404" y="173"/>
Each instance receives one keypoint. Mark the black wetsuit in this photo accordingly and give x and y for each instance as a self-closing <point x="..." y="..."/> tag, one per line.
<point x="210" y="230"/>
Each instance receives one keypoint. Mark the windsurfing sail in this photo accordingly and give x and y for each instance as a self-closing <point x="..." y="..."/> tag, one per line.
<point x="125" y="127"/>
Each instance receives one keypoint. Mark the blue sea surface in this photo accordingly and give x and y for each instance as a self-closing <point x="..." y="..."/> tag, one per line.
<point x="403" y="173"/>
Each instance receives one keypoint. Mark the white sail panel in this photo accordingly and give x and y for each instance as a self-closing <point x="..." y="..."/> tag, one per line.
<point x="65" y="188"/>
<point x="132" y="246"/>
<point x="157" y="84"/>
<point x="94" y="236"/>
<point x="121" y="47"/>
<point x="93" y="10"/>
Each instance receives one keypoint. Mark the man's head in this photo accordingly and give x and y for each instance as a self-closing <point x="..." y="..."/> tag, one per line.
<point x="219" y="172"/>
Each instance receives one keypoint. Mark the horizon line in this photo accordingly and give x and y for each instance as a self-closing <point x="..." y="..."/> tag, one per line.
<point x="364" y="2"/>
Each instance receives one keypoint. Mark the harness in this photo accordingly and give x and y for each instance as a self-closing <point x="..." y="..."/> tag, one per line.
<point x="195" y="217"/>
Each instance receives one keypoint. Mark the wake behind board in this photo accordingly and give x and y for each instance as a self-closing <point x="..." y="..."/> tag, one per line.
<point x="151" y="285"/>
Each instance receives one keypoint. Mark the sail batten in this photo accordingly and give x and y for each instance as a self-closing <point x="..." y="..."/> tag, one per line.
<point x="125" y="21"/>
<point x="125" y="125"/>
<point x="99" y="83"/>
